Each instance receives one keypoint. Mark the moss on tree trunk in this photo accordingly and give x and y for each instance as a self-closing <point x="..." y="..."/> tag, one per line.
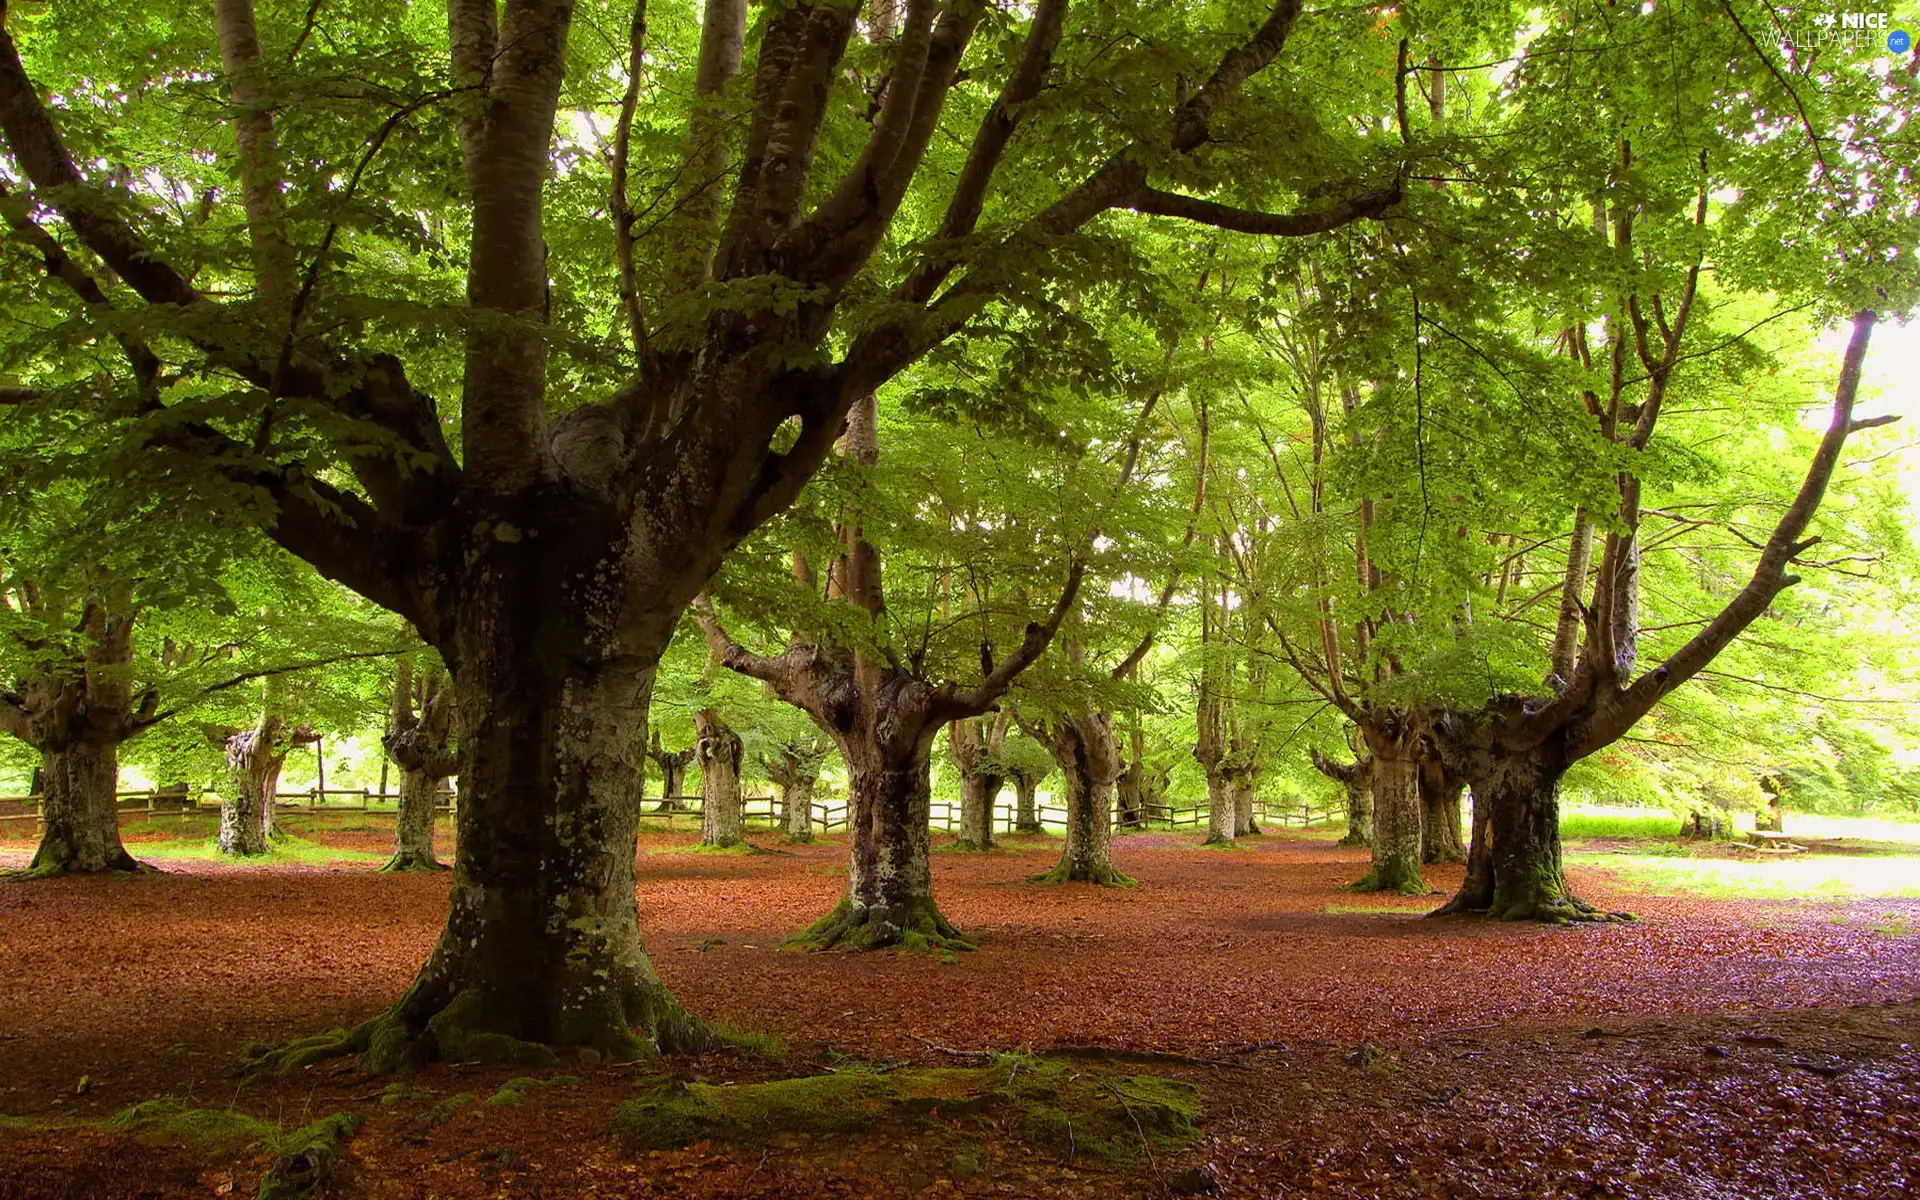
<point x="719" y="750"/>
<point x="1083" y="748"/>
<point x="1396" y="825"/>
<point x="889" y="895"/>
<point x="1514" y="868"/>
<point x="81" y="834"/>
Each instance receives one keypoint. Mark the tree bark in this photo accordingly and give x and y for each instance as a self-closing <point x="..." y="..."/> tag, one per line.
<point x="719" y="749"/>
<point x="795" y="766"/>
<point x="82" y="821"/>
<point x="254" y="759"/>
<point x="76" y="709"/>
<point x="889" y="896"/>
<point x="1243" y="823"/>
<point x="1026" y="812"/>
<point x="1089" y="760"/>
<point x="673" y="772"/>
<point x="422" y="745"/>
<point x="1356" y="778"/>
<point x="1514" y="870"/>
<point x="1396" y="807"/>
<point x="976" y="744"/>
<point x="1440" y="813"/>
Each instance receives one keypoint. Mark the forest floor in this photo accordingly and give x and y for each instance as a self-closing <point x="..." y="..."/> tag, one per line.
<point x="1340" y="1045"/>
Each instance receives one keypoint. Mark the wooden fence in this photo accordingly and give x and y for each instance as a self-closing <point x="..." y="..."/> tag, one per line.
<point x="765" y="810"/>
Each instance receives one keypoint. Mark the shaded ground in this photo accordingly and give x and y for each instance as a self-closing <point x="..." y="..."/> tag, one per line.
<point x="1246" y="971"/>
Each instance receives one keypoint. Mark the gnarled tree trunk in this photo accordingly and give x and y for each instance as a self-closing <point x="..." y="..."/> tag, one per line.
<point x="976" y="744"/>
<point x="1084" y="749"/>
<point x="76" y="709"/>
<point x="673" y="772"/>
<point x="889" y="897"/>
<point x="1026" y="810"/>
<point x="1242" y="791"/>
<point x="722" y="807"/>
<point x="1514" y="870"/>
<point x="1393" y="740"/>
<point x="254" y="759"/>
<point x="421" y="744"/>
<point x="82" y="822"/>
<point x="795" y="767"/>
<point x="1356" y="779"/>
<point x="1440" y="791"/>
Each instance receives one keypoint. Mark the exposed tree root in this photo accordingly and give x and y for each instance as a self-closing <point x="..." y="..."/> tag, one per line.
<point x="1547" y="907"/>
<point x="410" y="860"/>
<point x="1407" y="883"/>
<point x="915" y="926"/>
<point x="643" y="1024"/>
<point x="121" y="864"/>
<point x="1103" y="875"/>
<point x="1354" y="838"/>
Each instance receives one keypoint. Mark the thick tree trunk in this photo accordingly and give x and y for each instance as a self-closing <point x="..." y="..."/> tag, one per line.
<point x="889" y="896"/>
<point x="1359" y="791"/>
<point x="1396" y="824"/>
<point x="719" y="749"/>
<point x="977" y="794"/>
<point x="1243" y="824"/>
<point x="796" y="797"/>
<point x="1222" y="811"/>
<point x="1083" y="747"/>
<point x="253" y="779"/>
<point x="422" y="745"/>
<point x="1514" y="871"/>
<point x="1440" y="804"/>
<point x="82" y="824"/>
<point x="413" y="825"/>
<point x="1026" y="812"/>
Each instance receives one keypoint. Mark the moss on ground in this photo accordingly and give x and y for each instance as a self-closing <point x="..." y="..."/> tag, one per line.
<point x="514" y="1090"/>
<point x="1058" y="1104"/>
<point x="205" y="1131"/>
<point x="308" y="1156"/>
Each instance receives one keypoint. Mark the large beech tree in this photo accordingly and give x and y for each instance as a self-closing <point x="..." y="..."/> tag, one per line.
<point x="548" y="550"/>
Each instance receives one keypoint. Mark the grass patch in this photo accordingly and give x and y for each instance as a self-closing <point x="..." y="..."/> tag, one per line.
<point x="1799" y="878"/>
<point x="1333" y="910"/>
<point x="281" y="850"/>
<point x="1059" y="1105"/>
<point x="1576" y="825"/>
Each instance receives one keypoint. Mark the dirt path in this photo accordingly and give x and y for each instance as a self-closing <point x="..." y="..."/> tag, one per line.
<point x="149" y="987"/>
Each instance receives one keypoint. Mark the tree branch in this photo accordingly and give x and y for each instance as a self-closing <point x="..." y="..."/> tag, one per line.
<point x="1032" y="646"/>
<point x="1769" y="578"/>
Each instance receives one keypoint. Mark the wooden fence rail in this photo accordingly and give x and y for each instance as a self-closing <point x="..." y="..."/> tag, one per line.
<point x="827" y="816"/>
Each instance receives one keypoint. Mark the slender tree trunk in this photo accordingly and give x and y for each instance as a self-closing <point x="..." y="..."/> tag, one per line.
<point x="1396" y="821"/>
<point x="1083" y="747"/>
<point x="719" y="749"/>
<point x="1514" y="870"/>
<point x="82" y="823"/>
<point x="1130" y="795"/>
<point x="889" y="896"/>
